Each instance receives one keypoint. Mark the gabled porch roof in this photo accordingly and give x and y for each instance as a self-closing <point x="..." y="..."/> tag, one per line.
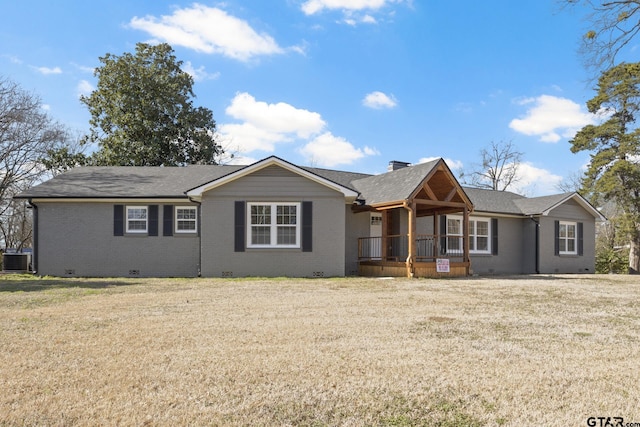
<point x="427" y="189"/>
<point x="431" y="186"/>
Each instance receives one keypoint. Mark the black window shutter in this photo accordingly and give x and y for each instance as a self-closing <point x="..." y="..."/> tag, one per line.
<point x="443" y="234"/>
<point x="556" y="249"/>
<point x="118" y="220"/>
<point x="580" y="239"/>
<point x="167" y="220"/>
<point x="239" y="229"/>
<point x="307" y="226"/>
<point x="494" y="236"/>
<point x="153" y="220"/>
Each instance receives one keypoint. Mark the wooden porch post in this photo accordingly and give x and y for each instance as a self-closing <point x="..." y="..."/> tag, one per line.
<point x="411" y="207"/>
<point x="436" y="232"/>
<point x="383" y="239"/>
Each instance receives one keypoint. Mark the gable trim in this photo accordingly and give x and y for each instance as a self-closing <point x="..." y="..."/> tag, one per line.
<point x="196" y="193"/>
<point x="584" y="203"/>
<point x="441" y="165"/>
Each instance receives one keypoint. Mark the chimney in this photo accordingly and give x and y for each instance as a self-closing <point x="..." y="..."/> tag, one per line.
<point x="394" y="165"/>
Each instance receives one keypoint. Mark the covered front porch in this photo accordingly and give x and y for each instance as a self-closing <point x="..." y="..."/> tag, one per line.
<point x="424" y="235"/>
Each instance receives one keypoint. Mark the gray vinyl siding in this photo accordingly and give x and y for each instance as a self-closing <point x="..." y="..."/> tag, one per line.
<point x="273" y="184"/>
<point x="551" y="263"/>
<point x="357" y="225"/>
<point x="529" y="246"/>
<point x="509" y="259"/>
<point x="76" y="239"/>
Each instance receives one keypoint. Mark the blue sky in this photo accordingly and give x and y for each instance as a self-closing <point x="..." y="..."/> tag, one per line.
<point x="342" y="84"/>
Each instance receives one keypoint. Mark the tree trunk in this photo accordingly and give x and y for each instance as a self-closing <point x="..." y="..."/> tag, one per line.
<point x="634" y="254"/>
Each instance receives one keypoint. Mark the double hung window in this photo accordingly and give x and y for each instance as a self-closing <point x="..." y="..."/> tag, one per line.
<point x="137" y="219"/>
<point x="567" y="238"/>
<point x="186" y="219"/>
<point x="454" y="235"/>
<point x="479" y="236"/>
<point x="273" y="225"/>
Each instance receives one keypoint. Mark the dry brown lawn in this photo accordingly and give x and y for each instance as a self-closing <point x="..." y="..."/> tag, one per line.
<point x="535" y="350"/>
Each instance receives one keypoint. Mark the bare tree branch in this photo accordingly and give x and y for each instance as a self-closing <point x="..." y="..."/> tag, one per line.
<point x="612" y="26"/>
<point x="498" y="167"/>
<point x="26" y="135"/>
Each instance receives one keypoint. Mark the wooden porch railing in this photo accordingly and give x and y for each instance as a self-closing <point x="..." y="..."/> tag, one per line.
<point x="396" y="248"/>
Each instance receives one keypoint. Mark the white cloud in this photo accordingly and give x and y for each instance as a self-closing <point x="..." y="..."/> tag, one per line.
<point x="329" y="151"/>
<point x="12" y="58"/>
<point x="311" y="7"/>
<point x="248" y="137"/>
<point x="263" y="126"/>
<point x="83" y="68"/>
<point x="368" y="19"/>
<point x="353" y="11"/>
<point x="534" y="181"/>
<point x="551" y="118"/>
<point x="84" y="88"/>
<point x="464" y="107"/>
<point x="47" y="70"/>
<point x="379" y="100"/>
<point x="209" y="30"/>
<point x="371" y="151"/>
<point x="454" y="165"/>
<point x="281" y="118"/>
<point x="198" y="74"/>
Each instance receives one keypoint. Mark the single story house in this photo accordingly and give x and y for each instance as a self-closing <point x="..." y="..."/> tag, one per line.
<point x="275" y="218"/>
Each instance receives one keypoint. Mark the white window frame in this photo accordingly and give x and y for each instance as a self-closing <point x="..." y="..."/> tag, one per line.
<point x="473" y="236"/>
<point x="566" y="239"/>
<point x="273" y="225"/>
<point x="129" y="220"/>
<point x="453" y="237"/>
<point x="193" y="220"/>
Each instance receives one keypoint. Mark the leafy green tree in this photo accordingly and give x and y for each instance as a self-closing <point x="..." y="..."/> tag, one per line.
<point x="62" y="158"/>
<point x="613" y="174"/>
<point x="611" y="256"/>
<point x="142" y="112"/>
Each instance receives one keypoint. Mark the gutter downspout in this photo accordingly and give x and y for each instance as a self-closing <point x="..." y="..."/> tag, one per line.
<point x="199" y="234"/>
<point x="537" y="222"/>
<point x="34" y="259"/>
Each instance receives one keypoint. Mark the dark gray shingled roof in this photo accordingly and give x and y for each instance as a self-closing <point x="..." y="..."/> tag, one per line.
<point x="506" y="202"/>
<point x="173" y="182"/>
<point x="494" y="201"/>
<point x="394" y="185"/>
<point x="345" y="179"/>
<point x="536" y="205"/>
<point x="149" y="182"/>
<point x="127" y="181"/>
